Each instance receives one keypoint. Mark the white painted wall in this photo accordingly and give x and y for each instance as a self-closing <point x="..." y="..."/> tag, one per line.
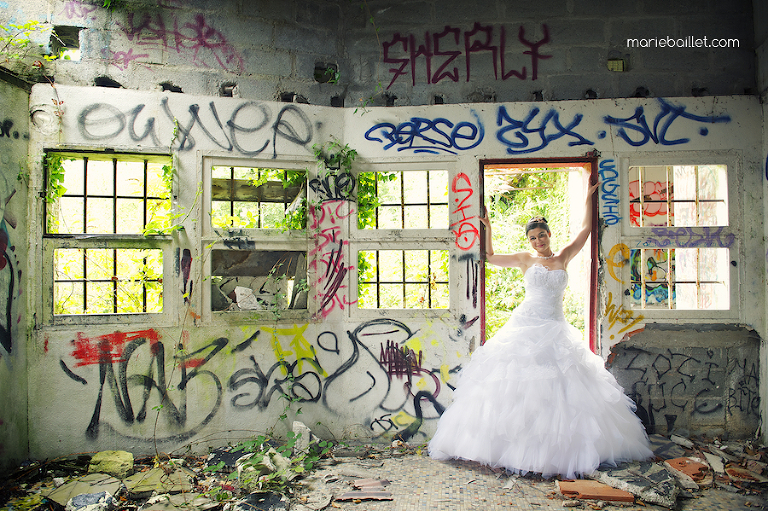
<point x="351" y="393"/>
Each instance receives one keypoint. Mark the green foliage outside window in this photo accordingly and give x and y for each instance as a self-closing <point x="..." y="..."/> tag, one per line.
<point x="509" y="212"/>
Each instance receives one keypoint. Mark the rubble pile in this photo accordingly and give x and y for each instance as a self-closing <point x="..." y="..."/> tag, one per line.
<point x="270" y="478"/>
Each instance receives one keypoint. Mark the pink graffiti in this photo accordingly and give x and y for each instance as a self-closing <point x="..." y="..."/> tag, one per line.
<point x="198" y="39"/>
<point x="466" y="233"/>
<point x="77" y="10"/>
<point x="658" y="191"/>
<point x="327" y="257"/>
<point x="122" y="59"/>
<point x="443" y="48"/>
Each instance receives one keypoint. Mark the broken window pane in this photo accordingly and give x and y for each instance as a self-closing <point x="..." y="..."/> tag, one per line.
<point x="258" y="280"/>
<point x="118" y="195"/>
<point x="678" y="195"/>
<point x="258" y="198"/>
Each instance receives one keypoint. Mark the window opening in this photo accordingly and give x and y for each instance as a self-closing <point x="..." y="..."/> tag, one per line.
<point x="681" y="278"/>
<point x="409" y="199"/>
<point x="678" y="195"/>
<point x="258" y="198"/>
<point x="108" y="201"/>
<point x="112" y="196"/>
<point x="258" y="280"/>
<point x="108" y="281"/>
<point x="514" y="191"/>
<point x="403" y="279"/>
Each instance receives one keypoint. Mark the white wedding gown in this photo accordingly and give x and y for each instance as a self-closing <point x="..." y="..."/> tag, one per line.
<point x="534" y="398"/>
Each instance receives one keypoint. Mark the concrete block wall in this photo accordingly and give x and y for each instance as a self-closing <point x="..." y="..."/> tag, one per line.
<point x="692" y="381"/>
<point x="553" y="51"/>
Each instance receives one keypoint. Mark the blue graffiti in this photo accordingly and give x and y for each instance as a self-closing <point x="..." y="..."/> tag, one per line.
<point x="668" y="114"/>
<point x="433" y="136"/>
<point x="609" y="199"/>
<point x="551" y="121"/>
<point x="689" y="237"/>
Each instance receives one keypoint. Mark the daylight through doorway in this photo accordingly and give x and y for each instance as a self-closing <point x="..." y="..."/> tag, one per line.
<point x="514" y="191"/>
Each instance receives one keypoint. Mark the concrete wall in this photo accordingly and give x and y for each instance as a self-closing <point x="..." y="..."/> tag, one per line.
<point x="516" y="82"/>
<point x="417" y="51"/>
<point x="340" y="357"/>
<point x="14" y="246"/>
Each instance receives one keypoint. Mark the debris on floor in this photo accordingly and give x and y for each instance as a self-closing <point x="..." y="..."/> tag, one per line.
<point x="300" y="476"/>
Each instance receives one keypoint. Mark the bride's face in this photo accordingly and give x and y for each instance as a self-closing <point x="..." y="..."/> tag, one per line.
<point x="539" y="240"/>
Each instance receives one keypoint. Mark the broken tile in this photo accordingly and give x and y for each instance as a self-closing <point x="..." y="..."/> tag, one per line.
<point x="652" y="482"/>
<point x="664" y="448"/>
<point x="742" y="475"/>
<point x="693" y="469"/>
<point x="366" y="495"/>
<point x="682" y="441"/>
<point x="683" y="480"/>
<point x="260" y="502"/>
<point x="226" y="456"/>
<point x="91" y="483"/>
<point x="720" y="452"/>
<point x="593" y="490"/>
<point x="715" y="462"/>
<point x="180" y="502"/>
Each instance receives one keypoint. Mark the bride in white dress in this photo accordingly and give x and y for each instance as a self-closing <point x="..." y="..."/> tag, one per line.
<point x="534" y="398"/>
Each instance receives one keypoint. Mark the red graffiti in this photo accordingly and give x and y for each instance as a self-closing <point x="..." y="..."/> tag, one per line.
<point x="443" y="48"/>
<point x="466" y="233"/>
<point x="656" y="194"/>
<point x="107" y="348"/>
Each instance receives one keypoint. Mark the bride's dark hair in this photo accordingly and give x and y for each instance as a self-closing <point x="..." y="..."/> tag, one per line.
<point x="535" y="223"/>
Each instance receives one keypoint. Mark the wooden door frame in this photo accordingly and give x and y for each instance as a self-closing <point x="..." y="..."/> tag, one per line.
<point x="588" y="161"/>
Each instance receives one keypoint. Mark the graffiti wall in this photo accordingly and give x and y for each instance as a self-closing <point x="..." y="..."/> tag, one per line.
<point x="689" y="384"/>
<point x="197" y="376"/>
<point x="14" y="176"/>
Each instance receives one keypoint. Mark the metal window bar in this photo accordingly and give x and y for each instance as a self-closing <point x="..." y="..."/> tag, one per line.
<point x="115" y="196"/>
<point x="404" y="281"/>
<point x="402" y="215"/>
<point x="403" y="204"/>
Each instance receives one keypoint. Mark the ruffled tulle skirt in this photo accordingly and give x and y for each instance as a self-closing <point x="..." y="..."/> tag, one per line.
<point x="535" y="399"/>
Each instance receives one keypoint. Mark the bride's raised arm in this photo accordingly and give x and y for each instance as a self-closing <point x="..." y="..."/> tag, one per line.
<point x="504" y="260"/>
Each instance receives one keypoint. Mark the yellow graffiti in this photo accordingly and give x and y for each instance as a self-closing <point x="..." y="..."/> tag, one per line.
<point x="300" y="349"/>
<point x="611" y="262"/>
<point x="620" y="314"/>
<point x="445" y="373"/>
<point x="403" y="419"/>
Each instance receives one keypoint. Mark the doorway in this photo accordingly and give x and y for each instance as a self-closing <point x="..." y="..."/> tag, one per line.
<point x="514" y="191"/>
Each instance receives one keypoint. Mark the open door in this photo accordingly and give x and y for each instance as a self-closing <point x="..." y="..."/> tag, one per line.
<point x="532" y="177"/>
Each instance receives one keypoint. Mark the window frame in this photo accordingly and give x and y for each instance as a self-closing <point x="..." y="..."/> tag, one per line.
<point x="53" y="241"/>
<point x="644" y="237"/>
<point x="253" y="239"/>
<point x="403" y="239"/>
